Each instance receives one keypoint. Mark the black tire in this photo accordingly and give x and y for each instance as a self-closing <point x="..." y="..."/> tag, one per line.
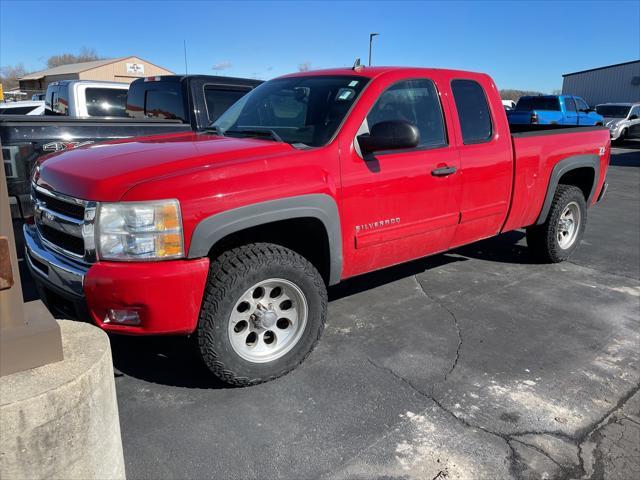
<point x="543" y="239"/>
<point x="622" y="138"/>
<point x="231" y="275"/>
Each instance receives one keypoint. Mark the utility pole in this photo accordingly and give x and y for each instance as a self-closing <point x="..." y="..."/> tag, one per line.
<point x="371" y="35"/>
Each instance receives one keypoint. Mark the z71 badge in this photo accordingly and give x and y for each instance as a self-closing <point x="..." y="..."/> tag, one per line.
<point x="61" y="146"/>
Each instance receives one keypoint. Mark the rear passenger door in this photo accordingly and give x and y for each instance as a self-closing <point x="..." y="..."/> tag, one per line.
<point x="570" y="111"/>
<point x="486" y="161"/>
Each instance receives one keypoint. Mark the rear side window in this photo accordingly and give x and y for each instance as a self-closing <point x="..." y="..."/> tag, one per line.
<point x="417" y="102"/>
<point x="155" y="100"/>
<point x="165" y="103"/>
<point x="106" y="102"/>
<point x="473" y="111"/>
<point x="61" y="104"/>
<point x="219" y="99"/>
<point x="569" y="104"/>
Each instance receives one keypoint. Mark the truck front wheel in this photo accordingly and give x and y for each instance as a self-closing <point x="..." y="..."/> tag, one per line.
<point x="263" y="312"/>
<point x="555" y="240"/>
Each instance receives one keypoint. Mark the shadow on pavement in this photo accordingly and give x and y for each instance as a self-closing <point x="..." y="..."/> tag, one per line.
<point x="171" y="360"/>
<point x="627" y="159"/>
<point x="164" y="360"/>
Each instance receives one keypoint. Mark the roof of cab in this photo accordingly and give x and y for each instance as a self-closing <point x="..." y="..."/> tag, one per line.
<point x="372" y="72"/>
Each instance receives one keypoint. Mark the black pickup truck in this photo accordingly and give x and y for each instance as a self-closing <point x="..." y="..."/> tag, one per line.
<point x="155" y="105"/>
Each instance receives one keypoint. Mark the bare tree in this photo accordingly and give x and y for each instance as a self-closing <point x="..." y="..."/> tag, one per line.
<point x="85" y="55"/>
<point x="10" y="74"/>
<point x="510" y="94"/>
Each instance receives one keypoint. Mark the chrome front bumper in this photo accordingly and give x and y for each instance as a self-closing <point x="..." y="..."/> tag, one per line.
<point x="54" y="270"/>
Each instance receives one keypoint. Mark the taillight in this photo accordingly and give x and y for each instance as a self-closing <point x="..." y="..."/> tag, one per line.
<point x="534" y="117"/>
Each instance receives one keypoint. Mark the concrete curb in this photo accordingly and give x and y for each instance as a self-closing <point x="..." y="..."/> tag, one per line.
<point x="61" y="420"/>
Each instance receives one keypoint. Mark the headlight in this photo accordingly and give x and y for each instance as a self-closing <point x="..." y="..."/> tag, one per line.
<point x="130" y="231"/>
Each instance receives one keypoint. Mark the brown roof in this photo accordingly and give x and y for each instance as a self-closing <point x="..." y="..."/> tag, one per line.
<point x="75" y="68"/>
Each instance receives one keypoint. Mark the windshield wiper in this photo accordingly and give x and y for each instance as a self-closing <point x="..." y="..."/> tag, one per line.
<point x="256" y="132"/>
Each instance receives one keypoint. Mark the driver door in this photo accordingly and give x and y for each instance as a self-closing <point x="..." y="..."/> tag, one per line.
<point x="400" y="204"/>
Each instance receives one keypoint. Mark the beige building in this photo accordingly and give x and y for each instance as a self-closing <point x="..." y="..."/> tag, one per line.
<point x="125" y="69"/>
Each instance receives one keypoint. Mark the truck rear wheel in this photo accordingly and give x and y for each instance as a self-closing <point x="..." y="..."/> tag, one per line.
<point x="555" y="240"/>
<point x="263" y="312"/>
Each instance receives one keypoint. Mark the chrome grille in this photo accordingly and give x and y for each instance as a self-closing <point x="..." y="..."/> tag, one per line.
<point x="64" y="223"/>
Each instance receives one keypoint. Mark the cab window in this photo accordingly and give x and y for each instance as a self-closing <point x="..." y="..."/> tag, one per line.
<point x="569" y="104"/>
<point x="473" y="111"/>
<point x="106" y="102"/>
<point x="415" y="101"/>
<point x="218" y="99"/>
<point x="582" y="105"/>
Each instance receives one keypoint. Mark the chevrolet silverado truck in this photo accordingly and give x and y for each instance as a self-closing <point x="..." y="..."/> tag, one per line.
<point x="553" y="110"/>
<point x="154" y="105"/>
<point x="232" y="236"/>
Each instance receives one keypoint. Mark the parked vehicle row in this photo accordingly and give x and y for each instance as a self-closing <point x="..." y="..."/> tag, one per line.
<point x="553" y="110"/>
<point x="232" y="234"/>
<point x="153" y="105"/>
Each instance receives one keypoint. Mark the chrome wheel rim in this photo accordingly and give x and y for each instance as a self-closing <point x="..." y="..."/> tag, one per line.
<point x="568" y="226"/>
<point x="268" y="320"/>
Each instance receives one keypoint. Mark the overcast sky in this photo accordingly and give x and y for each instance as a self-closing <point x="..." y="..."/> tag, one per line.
<point x="523" y="45"/>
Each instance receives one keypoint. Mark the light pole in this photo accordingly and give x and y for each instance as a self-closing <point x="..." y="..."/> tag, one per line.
<point x="371" y="35"/>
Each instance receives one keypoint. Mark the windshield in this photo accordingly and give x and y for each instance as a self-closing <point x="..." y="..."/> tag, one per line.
<point x="538" y="103"/>
<point x="296" y="110"/>
<point x="613" y="111"/>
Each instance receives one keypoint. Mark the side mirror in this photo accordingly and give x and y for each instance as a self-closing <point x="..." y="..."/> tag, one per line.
<point x="633" y="117"/>
<point x="390" y="135"/>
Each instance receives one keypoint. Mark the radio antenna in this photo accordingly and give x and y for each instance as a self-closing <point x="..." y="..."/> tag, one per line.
<point x="186" y="68"/>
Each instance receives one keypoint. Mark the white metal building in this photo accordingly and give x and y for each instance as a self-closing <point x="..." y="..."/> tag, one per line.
<point x="613" y="83"/>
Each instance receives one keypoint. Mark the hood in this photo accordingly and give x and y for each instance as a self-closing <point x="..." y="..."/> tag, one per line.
<point x="106" y="171"/>
<point x="612" y="121"/>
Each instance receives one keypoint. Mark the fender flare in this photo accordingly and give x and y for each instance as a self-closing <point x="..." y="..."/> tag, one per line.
<point x="319" y="206"/>
<point x="570" y="163"/>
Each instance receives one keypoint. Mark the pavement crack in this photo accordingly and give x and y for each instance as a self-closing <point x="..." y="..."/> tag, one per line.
<point x="515" y="465"/>
<point x="515" y="462"/>
<point x="630" y="420"/>
<point x="454" y="364"/>
<point x="540" y="451"/>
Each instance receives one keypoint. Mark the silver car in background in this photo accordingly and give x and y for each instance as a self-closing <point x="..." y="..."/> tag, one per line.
<point x="622" y="119"/>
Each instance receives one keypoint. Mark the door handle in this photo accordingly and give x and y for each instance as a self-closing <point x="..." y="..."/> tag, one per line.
<point x="443" y="171"/>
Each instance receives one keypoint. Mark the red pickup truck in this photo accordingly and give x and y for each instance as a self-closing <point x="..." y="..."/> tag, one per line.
<point x="232" y="235"/>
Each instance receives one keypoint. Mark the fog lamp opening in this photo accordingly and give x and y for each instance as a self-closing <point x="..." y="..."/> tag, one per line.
<point x="122" y="317"/>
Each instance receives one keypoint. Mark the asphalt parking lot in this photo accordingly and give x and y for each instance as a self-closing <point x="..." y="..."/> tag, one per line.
<point x="477" y="363"/>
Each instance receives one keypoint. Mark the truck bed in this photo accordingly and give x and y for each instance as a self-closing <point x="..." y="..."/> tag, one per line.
<point x="24" y="138"/>
<point x="536" y="151"/>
